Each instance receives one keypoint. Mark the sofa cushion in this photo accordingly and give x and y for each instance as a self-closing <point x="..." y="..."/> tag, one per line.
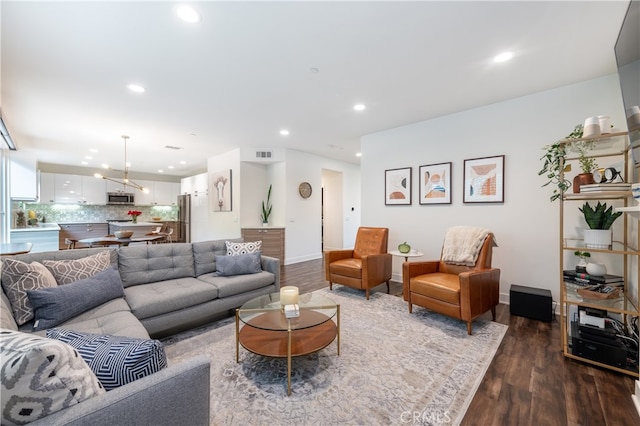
<point x="150" y="263"/>
<point x="114" y="317"/>
<point x="69" y="271"/>
<point x="53" y="306"/>
<point x="115" y="360"/>
<point x="204" y="254"/>
<point x="17" y="278"/>
<point x="41" y="376"/>
<point x="230" y="286"/>
<point x="158" y="298"/>
<point x="235" y="248"/>
<point x="238" y="265"/>
<point x="6" y="314"/>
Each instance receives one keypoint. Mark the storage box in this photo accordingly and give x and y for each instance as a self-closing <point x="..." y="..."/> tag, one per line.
<point x="529" y="302"/>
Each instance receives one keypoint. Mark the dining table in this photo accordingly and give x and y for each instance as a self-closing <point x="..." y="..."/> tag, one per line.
<point x="10" y="249"/>
<point x="113" y="241"/>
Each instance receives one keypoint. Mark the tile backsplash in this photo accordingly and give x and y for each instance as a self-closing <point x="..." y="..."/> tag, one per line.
<point x="69" y="213"/>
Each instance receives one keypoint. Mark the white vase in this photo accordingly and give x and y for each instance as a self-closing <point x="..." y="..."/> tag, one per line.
<point x="597" y="238"/>
<point x="596" y="269"/>
<point x="265" y="224"/>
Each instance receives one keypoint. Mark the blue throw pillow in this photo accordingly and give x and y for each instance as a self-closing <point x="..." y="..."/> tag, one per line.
<point x="115" y="360"/>
<point x="55" y="305"/>
<point x="238" y="265"/>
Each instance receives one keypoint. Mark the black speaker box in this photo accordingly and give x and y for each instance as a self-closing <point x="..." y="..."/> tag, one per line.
<point x="529" y="302"/>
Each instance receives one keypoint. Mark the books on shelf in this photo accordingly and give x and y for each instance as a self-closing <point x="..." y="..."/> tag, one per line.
<point x="582" y="278"/>
<point x="601" y="187"/>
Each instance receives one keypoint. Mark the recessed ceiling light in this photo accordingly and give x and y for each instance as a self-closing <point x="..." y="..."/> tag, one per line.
<point x="183" y="162"/>
<point x="136" y="88"/>
<point x="284" y="132"/>
<point x="105" y="166"/>
<point x="160" y="171"/>
<point x="503" y="57"/>
<point x="84" y="163"/>
<point x="93" y="150"/>
<point x="359" y="107"/>
<point x="170" y="167"/>
<point x="188" y="14"/>
<point x="358" y="154"/>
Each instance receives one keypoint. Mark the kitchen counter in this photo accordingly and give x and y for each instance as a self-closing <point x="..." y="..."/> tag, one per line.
<point x="43" y="236"/>
<point x="38" y="228"/>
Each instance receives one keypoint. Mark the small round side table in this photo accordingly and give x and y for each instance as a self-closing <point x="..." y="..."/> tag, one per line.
<point x="412" y="253"/>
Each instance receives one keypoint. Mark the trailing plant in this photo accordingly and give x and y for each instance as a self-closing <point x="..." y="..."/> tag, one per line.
<point x="601" y="217"/>
<point x="553" y="169"/>
<point x="266" y="208"/>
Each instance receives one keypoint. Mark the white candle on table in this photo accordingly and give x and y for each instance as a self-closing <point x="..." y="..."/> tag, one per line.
<point x="289" y="295"/>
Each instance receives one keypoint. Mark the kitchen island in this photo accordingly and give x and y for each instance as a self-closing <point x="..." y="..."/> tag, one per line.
<point x="139" y="229"/>
<point x="42" y="236"/>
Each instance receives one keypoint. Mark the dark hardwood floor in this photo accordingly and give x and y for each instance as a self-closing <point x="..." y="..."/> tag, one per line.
<point x="529" y="382"/>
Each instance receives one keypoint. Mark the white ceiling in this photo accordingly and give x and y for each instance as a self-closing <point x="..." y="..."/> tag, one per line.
<point x="244" y="72"/>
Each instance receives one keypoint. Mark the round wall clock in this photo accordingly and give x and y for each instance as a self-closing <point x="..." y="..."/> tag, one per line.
<point x="305" y="189"/>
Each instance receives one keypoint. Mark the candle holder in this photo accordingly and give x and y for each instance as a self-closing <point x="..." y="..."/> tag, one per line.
<point x="289" y="295"/>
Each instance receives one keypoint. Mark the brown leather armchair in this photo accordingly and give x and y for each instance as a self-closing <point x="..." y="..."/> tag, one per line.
<point x="365" y="266"/>
<point x="458" y="291"/>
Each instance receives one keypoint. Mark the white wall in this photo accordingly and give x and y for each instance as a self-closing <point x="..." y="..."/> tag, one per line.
<point x="333" y="211"/>
<point x="303" y="216"/>
<point x="526" y="224"/>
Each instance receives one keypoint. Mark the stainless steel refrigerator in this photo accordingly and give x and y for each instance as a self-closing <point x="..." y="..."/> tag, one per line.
<point x="184" y="218"/>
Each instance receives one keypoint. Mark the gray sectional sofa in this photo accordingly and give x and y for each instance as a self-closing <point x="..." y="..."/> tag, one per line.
<point x="168" y="288"/>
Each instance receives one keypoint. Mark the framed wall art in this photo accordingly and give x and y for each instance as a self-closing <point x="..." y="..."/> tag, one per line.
<point x="220" y="191"/>
<point x="435" y="183"/>
<point x="484" y="180"/>
<point x="397" y="186"/>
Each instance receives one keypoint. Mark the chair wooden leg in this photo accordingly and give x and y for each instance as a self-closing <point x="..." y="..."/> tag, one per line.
<point x="388" y="288"/>
<point x="469" y="328"/>
<point x="366" y="292"/>
<point x="493" y="313"/>
<point x="410" y="307"/>
<point x="330" y="285"/>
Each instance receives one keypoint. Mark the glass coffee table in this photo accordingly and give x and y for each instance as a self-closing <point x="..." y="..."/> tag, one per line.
<point x="267" y="332"/>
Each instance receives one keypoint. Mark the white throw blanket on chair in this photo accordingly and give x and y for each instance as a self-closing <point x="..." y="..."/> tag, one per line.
<point x="462" y="244"/>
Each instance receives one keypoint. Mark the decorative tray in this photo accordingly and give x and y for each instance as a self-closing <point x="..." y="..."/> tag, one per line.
<point x="597" y="295"/>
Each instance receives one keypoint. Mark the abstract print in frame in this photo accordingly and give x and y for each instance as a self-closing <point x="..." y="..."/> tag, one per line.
<point x="220" y="192"/>
<point x="484" y="180"/>
<point x="397" y="186"/>
<point x="435" y="183"/>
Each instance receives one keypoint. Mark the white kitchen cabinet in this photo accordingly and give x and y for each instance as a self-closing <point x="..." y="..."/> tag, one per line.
<point x="67" y="189"/>
<point x="160" y="193"/>
<point x="94" y="191"/>
<point x="47" y="188"/>
<point x="165" y="193"/>
<point x="23" y="175"/>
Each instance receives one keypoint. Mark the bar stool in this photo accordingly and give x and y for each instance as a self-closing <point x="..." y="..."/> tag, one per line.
<point x="71" y="243"/>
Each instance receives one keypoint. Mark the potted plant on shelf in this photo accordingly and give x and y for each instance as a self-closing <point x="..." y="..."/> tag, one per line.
<point x="582" y="264"/>
<point x="587" y="164"/>
<point x="599" y="220"/>
<point x="554" y="165"/>
<point x="266" y="209"/>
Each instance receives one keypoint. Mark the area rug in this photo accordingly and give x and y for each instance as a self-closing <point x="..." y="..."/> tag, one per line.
<point x="393" y="368"/>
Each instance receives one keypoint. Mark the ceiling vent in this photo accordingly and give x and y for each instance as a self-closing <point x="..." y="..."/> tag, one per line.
<point x="263" y="154"/>
<point x="172" y="147"/>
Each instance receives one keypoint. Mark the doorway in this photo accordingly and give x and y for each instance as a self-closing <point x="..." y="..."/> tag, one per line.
<point x="332" y="211"/>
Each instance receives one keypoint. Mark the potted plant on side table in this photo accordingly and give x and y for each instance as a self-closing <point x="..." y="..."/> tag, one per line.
<point x="599" y="220"/>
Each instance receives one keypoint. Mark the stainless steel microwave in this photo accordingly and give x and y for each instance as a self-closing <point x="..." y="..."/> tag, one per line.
<point x="122" y="198"/>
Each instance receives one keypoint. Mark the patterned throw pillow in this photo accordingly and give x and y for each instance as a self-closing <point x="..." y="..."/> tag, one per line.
<point x="115" y="360"/>
<point x="234" y="249"/>
<point x="41" y="376"/>
<point x="17" y="278"/>
<point x="68" y="271"/>
<point x="53" y="306"/>
<point x="238" y="265"/>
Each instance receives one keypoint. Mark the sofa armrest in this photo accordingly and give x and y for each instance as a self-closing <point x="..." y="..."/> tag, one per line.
<point x="413" y="269"/>
<point x="479" y="292"/>
<point x="272" y="264"/>
<point x="175" y="395"/>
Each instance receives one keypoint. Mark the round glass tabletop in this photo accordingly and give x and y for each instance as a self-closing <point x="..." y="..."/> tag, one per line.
<point x="265" y="312"/>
